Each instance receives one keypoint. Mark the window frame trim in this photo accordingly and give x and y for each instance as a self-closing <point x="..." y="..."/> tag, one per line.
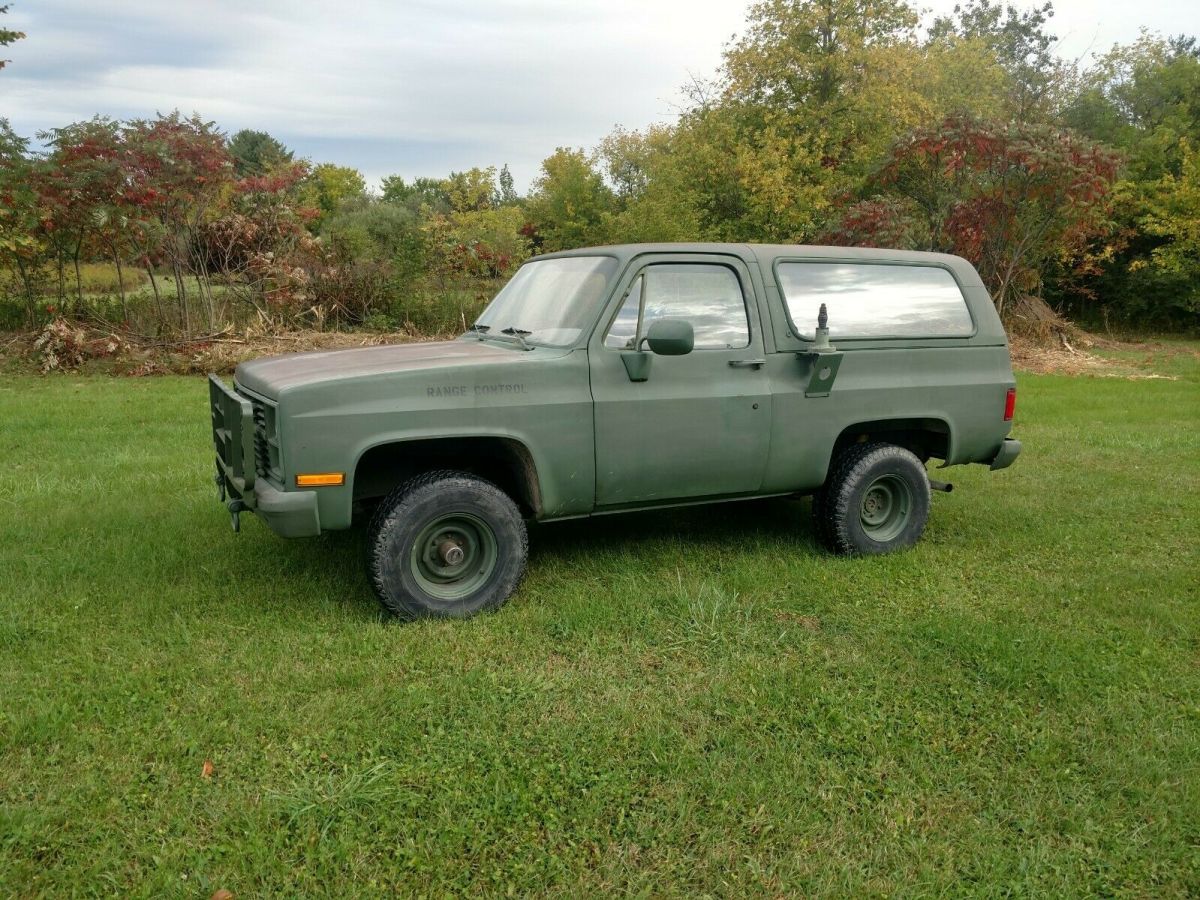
<point x="798" y="334"/>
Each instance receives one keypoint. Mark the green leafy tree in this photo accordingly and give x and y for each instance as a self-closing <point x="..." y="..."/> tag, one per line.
<point x="1168" y="275"/>
<point x="327" y="187"/>
<point x="23" y="249"/>
<point x="506" y="193"/>
<point x="380" y="231"/>
<point x="1021" y="44"/>
<point x="1142" y="98"/>
<point x="813" y="94"/>
<point x="478" y="243"/>
<point x="8" y="35"/>
<point x="656" y="199"/>
<point x="257" y="153"/>
<point x="420" y="192"/>
<point x="472" y="190"/>
<point x="570" y="203"/>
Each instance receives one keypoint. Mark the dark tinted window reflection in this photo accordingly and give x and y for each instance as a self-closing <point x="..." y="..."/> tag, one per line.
<point x="707" y="296"/>
<point x="875" y="300"/>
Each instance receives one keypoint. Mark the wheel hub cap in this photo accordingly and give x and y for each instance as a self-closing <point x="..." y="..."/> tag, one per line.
<point x="886" y="505"/>
<point x="453" y="556"/>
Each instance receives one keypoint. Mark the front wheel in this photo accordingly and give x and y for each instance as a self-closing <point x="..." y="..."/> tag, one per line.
<point x="446" y="545"/>
<point x="876" y="500"/>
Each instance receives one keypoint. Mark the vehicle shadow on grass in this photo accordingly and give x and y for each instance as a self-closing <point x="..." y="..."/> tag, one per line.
<point x="333" y="564"/>
<point x="730" y="525"/>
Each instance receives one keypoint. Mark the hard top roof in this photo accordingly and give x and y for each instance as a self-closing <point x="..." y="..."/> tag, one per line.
<point x="764" y="253"/>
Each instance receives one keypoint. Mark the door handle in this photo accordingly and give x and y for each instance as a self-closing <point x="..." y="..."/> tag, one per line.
<point x="747" y="363"/>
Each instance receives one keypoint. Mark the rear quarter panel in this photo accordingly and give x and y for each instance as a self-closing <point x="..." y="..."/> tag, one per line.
<point x="961" y="386"/>
<point x="959" y="381"/>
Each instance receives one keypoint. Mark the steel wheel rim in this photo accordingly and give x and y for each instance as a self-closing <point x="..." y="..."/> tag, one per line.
<point x="886" y="506"/>
<point x="454" y="556"/>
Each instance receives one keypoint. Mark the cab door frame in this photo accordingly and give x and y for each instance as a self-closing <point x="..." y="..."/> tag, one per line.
<point x="674" y="439"/>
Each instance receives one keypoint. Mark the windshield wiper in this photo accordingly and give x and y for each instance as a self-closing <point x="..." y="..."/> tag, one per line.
<point x="510" y="335"/>
<point x="519" y="334"/>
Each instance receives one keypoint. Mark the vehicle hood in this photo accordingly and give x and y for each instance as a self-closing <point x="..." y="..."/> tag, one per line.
<point x="272" y="375"/>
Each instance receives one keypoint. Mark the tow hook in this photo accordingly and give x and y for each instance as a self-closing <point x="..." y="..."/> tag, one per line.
<point x="236" y="508"/>
<point x="944" y="486"/>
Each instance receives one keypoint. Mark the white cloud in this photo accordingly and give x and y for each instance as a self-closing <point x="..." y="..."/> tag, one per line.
<point x="415" y="87"/>
<point x="492" y="82"/>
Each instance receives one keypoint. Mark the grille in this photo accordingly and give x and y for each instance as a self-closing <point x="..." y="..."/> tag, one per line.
<point x="266" y="444"/>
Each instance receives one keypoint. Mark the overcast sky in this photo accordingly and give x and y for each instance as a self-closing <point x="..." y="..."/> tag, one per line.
<point x="414" y="87"/>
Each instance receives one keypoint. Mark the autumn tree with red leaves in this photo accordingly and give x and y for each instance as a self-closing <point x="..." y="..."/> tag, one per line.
<point x="176" y="169"/>
<point x="1010" y="198"/>
<point x="258" y="243"/>
<point x="80" y="185"/>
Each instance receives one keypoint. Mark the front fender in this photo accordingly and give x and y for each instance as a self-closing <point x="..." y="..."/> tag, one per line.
<point x="546" y="408"/>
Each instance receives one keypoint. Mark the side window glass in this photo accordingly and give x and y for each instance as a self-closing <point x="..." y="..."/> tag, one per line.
<point x="624" y="327"/>
<point x="708" y="296"/>
<point x="874" y="300"/>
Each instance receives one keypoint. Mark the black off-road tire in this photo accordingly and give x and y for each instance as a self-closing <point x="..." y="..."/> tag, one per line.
<point x="402" y="574"/>
<point x="820" y="520"/>
<point x="847" y="507"/>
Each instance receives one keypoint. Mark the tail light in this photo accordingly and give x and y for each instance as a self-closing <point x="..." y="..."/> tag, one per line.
<point x="1010" y="404"/>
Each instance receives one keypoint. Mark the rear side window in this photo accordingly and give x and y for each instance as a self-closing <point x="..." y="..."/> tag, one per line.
<point x="874" y="301"/>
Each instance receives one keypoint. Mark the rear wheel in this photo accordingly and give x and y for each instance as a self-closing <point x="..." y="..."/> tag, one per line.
<point x="447" y="545"/>
<point x="876" y="500"/>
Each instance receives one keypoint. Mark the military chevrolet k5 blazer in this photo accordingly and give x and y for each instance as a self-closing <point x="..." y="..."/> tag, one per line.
<point x="620" y="378"/>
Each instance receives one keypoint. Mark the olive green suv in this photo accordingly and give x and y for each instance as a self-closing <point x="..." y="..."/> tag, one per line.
<point x="621" y="378"/>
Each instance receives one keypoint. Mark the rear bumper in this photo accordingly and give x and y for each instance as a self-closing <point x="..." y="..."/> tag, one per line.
<point x="1007" y="455"/>
<point x="287" y="513"/>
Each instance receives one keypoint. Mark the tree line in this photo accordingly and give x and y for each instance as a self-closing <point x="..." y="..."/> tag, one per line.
<point x="829" y="121"/>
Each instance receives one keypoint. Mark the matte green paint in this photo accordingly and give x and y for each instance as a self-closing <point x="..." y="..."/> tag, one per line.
<point x="608" y="429"/>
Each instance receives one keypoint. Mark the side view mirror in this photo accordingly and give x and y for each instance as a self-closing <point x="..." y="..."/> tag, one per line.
<point x="671" y="337"/>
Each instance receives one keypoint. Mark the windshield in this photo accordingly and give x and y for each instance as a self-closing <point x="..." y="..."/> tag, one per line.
<point x="550" y="301"/>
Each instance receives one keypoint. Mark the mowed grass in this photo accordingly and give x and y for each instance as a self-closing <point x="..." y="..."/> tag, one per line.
<point x="683" y="703"/>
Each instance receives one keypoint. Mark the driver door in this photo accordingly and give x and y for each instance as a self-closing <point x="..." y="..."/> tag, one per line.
<point x="699" y="425"/>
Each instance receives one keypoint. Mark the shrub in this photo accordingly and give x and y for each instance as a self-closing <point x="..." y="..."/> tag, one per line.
<point x="63" y="346"/>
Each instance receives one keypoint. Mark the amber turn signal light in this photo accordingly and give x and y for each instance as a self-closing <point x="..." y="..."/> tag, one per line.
<point x="321" y="479"/>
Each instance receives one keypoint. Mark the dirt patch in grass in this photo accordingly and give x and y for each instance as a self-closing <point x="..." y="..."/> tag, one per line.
<point x="1087" y="354"/>
<point x="223" y="354"/>
<point x="92" y="351"/>
<point x="89" y="351"/>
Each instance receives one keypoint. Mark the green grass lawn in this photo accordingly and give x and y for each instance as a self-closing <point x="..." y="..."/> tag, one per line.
<point x="682" y="703"/>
